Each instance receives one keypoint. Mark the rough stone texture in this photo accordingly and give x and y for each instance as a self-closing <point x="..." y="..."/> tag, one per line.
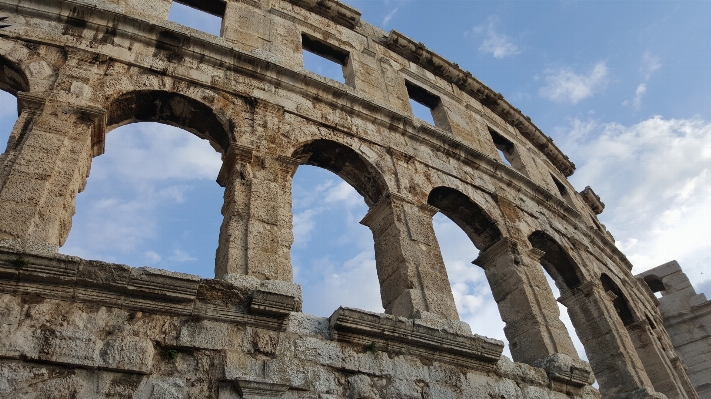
<point x="77" y="328"/>
<point x="687" y="318"/>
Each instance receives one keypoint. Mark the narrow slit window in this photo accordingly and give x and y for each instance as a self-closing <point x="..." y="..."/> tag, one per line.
<point x="326" y="60"/>
<point x="507" y="152"/>
<point x="563" y="191"/>
<point x="202" y="15"/>
<point x="427" y="106"/>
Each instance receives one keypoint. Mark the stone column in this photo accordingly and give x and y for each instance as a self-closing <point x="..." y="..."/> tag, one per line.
<point x="655" y="360"/>
<point x="612" y="356"/>
<point x="256" y="234"/>
<point x="46" y="165"/>
<point x="413" y="279"/>
<point x="526" y="302"/>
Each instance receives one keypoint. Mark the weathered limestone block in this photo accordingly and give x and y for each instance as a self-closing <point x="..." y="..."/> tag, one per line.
<point x="610" y="351"/>
<point x="687" y="319"/>
<point x="46" y="171"/>
<point x="256" y="235"/>
<point x="655" y="360"/>
<point x="410" y="266"/>
<point x="525" y="301"/>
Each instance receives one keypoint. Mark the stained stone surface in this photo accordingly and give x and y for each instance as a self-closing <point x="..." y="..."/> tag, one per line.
<point x="73" y="328"/>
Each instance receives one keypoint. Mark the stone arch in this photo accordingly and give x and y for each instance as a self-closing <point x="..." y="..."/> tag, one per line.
<point x="467" y="214"/>
<point x="12" y="78"/>
<point x="556" y="261"/>
<point x="655" y="283"/>
<point x="173" y="109"/>
<point x="347" y="163"/>
<point x="619" y="299"/>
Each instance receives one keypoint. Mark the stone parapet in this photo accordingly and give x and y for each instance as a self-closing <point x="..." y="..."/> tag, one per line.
<point x="380" y="332"/>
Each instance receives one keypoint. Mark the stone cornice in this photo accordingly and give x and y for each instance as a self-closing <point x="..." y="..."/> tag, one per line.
<point x="452" y="73"/>
<point x="398" y="335"/>
<point x="333" y="10"/>
<point x="141" y="289"/>
<point x="593" y="200"/>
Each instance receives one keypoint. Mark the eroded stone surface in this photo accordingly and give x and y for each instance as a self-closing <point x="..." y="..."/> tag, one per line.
<point x="77" y="328"/>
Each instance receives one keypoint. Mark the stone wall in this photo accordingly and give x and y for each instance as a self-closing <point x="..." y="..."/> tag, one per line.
<point x="81" y="68"/>
<point x="687" y="318"/>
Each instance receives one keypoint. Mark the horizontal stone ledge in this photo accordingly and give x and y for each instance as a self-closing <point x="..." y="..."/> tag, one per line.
<point x="381" y="332"/>
<point x="73" y="279"/>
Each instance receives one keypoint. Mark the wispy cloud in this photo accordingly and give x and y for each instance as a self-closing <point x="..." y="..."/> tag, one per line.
<point x="648" y="66"/>
<point x="655" y="177"/>
<point x="564" y="85"/>
<point x="181" y="256"/>
<point x="391" y="14"/>
<point x="497" y="44"/>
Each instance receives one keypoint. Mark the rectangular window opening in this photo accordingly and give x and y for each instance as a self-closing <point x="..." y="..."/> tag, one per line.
<point x="202" y="15"/>
<point x="563" y="192"/>
<point x="507" y="152"/>
<point x="326" y="60"/>
<point x="427" y="106"/>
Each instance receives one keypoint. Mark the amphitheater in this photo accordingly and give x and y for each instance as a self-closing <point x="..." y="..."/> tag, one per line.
<point x="75" y="328"/>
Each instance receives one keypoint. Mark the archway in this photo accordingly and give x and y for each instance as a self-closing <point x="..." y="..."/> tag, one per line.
<point x="152" y="199"/>
<point x="333" y="254"/>
<point x="12" y="81"/>
<point x="172" y="109"/>
<point x="463" y="229"/>
<point x="556" y="261"/>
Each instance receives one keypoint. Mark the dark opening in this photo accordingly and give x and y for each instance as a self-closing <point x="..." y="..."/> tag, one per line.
<point x="507" y="152"/>
<point x="620" y="302"/>
<point x="330" y="61"/>
<point x="347" y="164"/>
<point x="655" y="283"/>
<point x="556" y="261"/>
<point x="203" y="15"/>
<point x="563" y="191"/>
<point x="172" y="109"/>
<point x="213" y="7"/>
<point x="467" y="215"/>
<point x="432" y="104"/>
<point x="12" y="79"/>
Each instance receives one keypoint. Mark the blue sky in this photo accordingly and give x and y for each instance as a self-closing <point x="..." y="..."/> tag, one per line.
<point x="622" y="87"/>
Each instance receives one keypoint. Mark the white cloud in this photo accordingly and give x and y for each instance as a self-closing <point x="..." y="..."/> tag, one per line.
<point x="343" y="193"/>
<point x="154" y="152"/>
<point x="654" y="177"/>
<point x="564" y="85"/>
<point x="497" y="44"/>
<point x="181" y="256"/>
<point x="152" y="257"/>
<point x="647" y="67"/>
<point x="390" y="16"/>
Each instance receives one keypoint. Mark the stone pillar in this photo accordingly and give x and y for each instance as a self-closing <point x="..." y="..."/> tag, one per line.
<point x="413" y="279"/>
<point x="655" y="360"/>
<point x="46" y="165"/>
<point x="256" y="234"/>
<point x="612" y="356"/>
<point x="526" y="302"/>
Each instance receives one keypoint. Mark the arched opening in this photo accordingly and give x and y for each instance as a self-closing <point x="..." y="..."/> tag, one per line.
<point x="172" y="109"/>
<point x="562" y="274"/>
<point x="556" y="261"/>
<point x="152" y="199"/>
<point x="656" y="285"/>
<point x="12" y="80"/>
<point x="618" y="299"/>
<point x="469" y="216"/>
<point x="333" y="254"/>
<point x="462" y="229"/>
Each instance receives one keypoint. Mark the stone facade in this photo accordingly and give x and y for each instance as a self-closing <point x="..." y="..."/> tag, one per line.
<point x="73" y="328"/>
<point x="687" y="319"/>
